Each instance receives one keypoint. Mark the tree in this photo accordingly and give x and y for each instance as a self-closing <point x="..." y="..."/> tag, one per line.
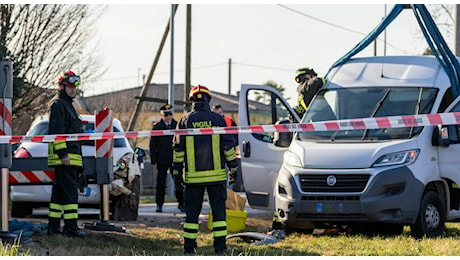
<point x="262" y="97"/>
<point x="43" y="40"/>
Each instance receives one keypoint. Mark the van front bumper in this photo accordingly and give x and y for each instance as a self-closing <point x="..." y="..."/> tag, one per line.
<point x="390" y="196"/>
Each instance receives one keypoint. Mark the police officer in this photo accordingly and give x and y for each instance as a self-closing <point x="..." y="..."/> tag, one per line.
<point x="161" y="155"/>
<point x="309" y="84"/>
<point x="65" y="157"/>
<point x="204" y="157"/>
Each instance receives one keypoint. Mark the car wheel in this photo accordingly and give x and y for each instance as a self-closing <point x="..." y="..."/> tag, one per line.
<point x="20" y="210"/>
<point x="125" y="207"/>
<point x="431" y="217"/>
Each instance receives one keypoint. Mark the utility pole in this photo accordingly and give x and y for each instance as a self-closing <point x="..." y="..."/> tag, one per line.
<point x="171" y="68"/>
<point x="230" y="76"/>
<point x="188" y="48"/>
<point x="457" y="30"/>
<point x="144" y="90"/>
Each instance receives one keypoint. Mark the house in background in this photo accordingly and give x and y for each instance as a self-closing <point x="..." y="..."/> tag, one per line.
<point x="123" y="103"/>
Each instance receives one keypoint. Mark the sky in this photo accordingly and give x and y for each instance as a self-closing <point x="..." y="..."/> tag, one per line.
<point x="264" y="42"/>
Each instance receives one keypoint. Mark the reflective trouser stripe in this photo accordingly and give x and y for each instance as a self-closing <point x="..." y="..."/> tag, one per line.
<point x="55" y="210"/>
<point x="71" y="211"/>
<point x="219" y="229"/>
<point x="191" y="230"/>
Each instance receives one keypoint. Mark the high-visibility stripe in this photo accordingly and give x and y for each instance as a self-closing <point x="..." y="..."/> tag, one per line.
<point x="59" y="145"/>
<point x="190" y="149"/>
<point x="178" y="157"/>
<point x="230" y="154"/>
<point x="191" y="230"/>
<point x="205" y="176"/>
<point x="216" y="152"/>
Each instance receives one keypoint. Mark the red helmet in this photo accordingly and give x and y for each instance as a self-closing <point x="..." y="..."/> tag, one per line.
<point x="199" y="92"/>
<point x="68" y="78"/>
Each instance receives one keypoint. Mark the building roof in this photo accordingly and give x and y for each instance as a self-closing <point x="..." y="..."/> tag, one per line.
<point x="125" y="100"/>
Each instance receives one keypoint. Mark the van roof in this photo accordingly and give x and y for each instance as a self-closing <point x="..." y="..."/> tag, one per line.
<point x="404" y="71"/>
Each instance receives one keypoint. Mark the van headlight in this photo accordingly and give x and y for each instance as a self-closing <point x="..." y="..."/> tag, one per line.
<point x="292" y="159"/>
<point x="404" y="157"/>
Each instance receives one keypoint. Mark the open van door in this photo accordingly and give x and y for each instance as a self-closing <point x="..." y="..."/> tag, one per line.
<point x="262" y="153"/>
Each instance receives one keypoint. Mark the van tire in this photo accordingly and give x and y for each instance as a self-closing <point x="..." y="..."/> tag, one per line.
<point x="20" y="210"/>
<point x="431" y="217"/>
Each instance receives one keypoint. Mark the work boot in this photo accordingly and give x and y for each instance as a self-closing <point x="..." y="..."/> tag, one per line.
<point x="54" y="226"/>
<point x="76" y="232"/>
<point x="71" y="229"/>
<point x="219" y="245"/>
<point x="159" y="209"/>
<point x="190" y="246"/>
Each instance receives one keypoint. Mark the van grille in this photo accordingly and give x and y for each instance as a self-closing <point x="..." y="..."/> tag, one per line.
<point x="344" y="183"/>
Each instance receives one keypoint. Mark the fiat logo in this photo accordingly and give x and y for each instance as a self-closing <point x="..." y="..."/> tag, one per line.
<point x="331" y="180"/>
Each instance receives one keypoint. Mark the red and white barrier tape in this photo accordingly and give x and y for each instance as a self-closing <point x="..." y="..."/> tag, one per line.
<point x="345" y="124"/>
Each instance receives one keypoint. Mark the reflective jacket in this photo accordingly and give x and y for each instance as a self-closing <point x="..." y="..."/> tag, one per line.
<point x="63" y="119"/>
<point x="204" y="155"/>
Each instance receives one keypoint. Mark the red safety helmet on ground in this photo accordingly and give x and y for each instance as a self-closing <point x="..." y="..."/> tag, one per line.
<point x="199" y="92"/>
<point x="68" y="78"/>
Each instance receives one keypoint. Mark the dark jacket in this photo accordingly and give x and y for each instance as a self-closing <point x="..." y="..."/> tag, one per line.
<point x="161" y="150"/>
<point x="204" y="156"/>
<point x="64" y="119"/>
<point x="308" y="89"/>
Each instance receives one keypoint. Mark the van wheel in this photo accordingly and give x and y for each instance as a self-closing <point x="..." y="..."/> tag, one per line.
<point x="20" y="210"/>
<point x="431" y="217"/>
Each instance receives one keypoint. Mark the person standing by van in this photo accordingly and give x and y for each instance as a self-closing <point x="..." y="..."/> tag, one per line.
<point x="65" y="157"/>
<point x="309" y="84"/>
<point x="161" y="157"/>
<point x="201" y="160"/>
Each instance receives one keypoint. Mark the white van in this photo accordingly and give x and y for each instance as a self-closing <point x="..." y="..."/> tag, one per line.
<point x="374" y="180"/>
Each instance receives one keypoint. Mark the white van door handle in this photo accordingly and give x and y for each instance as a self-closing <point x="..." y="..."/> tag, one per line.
<point x="246" y="149"/>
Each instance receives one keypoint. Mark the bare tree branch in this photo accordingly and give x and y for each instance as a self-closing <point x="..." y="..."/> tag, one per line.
<point x="44" y="40"/>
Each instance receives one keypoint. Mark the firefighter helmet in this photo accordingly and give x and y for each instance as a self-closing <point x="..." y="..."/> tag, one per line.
<point x="301" y="72"/>
<point x="199" y="92"/>
<point x="68" y="78"/>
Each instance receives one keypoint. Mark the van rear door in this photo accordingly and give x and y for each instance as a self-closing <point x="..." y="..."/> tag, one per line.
<point x="261" y="154"/>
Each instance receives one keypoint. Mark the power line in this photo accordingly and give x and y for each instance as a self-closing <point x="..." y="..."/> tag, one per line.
<point x="338" y="26"/>
<point x="321" y="21"/>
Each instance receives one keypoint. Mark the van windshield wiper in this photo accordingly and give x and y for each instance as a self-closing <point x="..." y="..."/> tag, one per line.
<point x="374" y="111"/>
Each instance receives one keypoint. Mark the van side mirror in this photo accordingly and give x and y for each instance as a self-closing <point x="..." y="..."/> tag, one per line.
<point x="282" y="139"/>
<point x="140" y="154"/>
<point x="441" y="136"/>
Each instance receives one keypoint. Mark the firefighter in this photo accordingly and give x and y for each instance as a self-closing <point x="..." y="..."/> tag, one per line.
<point x="65" y="157"/>
<point x="204" y="158"/>
<point x="309" y="84"/>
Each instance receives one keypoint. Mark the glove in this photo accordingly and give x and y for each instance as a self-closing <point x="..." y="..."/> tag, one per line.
<point x="178" y="172"/>
<point x="82" y="182"/>
<point x="233" y="174"/>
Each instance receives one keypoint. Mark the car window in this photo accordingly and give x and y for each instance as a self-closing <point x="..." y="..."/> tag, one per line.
<point x="42" y="129"/>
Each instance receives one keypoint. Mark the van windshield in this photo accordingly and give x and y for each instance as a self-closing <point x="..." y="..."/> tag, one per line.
<point x="349" y="103"/>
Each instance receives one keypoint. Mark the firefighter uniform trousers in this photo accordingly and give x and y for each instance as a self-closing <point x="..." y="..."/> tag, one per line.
<point x="193" y="195"/>
<point x="64" y="198"/>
